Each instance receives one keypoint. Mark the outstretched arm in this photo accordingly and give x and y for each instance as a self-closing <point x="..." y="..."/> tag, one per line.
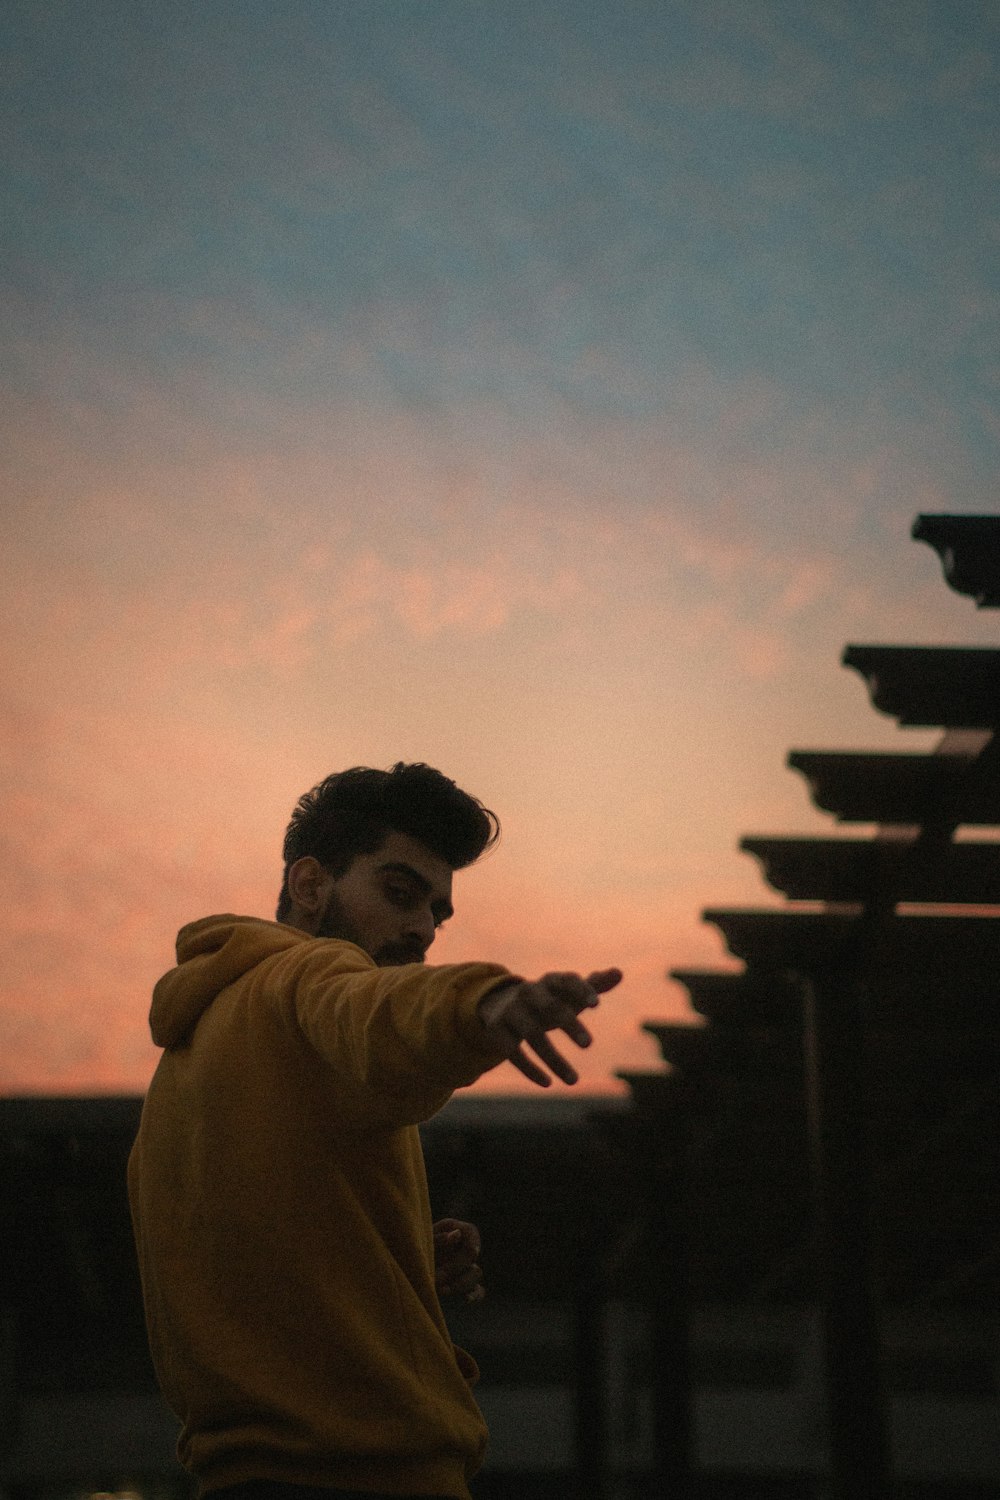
<point x="521" y="1013"/>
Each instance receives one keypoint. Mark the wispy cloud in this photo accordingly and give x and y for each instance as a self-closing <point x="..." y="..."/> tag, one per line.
<point x="543" y="391"/>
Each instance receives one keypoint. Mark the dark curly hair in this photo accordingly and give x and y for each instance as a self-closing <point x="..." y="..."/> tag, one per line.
<point x="352" y="812"/>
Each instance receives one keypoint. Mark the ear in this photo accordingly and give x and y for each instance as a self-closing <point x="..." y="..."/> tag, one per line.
<point x="308" y="885"/>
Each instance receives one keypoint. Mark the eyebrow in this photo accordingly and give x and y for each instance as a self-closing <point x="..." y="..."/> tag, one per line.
<point x="392" y="867"/>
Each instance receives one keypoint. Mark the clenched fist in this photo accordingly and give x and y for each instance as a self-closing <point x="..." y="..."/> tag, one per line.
<point x="456" y="1256"/>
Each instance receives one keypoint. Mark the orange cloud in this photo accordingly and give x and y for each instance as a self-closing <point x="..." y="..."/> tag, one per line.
<point x="611" y="636"/>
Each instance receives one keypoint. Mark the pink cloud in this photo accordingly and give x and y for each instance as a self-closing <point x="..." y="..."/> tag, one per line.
<point x="115" y="832"/>
<point x="196" y="632"/>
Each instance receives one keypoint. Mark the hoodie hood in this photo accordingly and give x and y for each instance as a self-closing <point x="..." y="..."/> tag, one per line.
<point x="212" y="954"/>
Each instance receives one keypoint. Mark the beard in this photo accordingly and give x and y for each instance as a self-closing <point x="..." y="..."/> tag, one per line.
<point x="335" y="923"/>
<point x="391" y="954"/>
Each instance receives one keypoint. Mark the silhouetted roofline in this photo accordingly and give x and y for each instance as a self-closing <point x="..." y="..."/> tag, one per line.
<point x="885" y="787"/>
<point x="969" y="549"/>
<point x="952" y="687"/>
<point x="889" y="870"/>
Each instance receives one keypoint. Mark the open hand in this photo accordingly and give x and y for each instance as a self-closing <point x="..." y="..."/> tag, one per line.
<point x="522" y="1012"/>
<point x="456" y="1251"/>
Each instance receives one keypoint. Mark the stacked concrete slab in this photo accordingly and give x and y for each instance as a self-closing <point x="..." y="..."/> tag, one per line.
<point x="840" y="1144"/>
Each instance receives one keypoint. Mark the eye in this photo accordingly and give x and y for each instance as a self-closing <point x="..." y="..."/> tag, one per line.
<point x="399" y="896"/>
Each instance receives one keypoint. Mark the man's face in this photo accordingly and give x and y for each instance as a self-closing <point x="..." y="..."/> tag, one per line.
<point x="391" y="902"/>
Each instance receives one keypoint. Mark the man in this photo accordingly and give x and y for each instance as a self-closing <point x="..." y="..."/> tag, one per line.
<point x="277" y="1181"/>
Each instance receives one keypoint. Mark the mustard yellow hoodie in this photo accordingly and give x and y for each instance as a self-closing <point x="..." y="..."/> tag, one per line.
<point x="281" y="1215"/>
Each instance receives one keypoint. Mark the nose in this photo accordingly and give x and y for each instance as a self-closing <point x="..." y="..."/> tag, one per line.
<point x="421" y="929"/>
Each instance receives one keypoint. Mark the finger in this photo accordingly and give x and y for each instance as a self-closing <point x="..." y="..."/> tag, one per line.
<point x="579" y="1034"/>
<point x="461" y="1286"/>
<point x="564" y="1017"/>
<point x="553" y="1003"/>
<point x="449" y="1232"/>
<point x="573" y="1028"/>
<point x="456" y="1262"/>
<point x="603" y="980"/>
<point x="524" y="1065"/>
<point x="472" y="1239"/>
<point x="540" y="1044"/>
<point x="569" y="989"/>
<point x="530" y="1021"/>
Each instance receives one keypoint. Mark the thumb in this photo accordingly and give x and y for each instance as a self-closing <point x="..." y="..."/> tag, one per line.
<point x="604" y="979"/>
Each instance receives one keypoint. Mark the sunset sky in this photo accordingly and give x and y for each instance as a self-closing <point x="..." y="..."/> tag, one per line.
<point x="541" y="390"/>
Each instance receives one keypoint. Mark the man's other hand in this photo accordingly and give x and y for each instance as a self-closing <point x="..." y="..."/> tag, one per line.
<point x="521" y="1013"/>
<point x="456" y="1251"/>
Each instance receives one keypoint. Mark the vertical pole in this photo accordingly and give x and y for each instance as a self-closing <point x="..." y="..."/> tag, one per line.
<point x="670" y="1302"/>
<point x="591" y="1384"/>
<point x="839" y="1105"/>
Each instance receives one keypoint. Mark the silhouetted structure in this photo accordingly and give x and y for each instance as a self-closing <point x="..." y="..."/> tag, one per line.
<point x="845" y="1118"/>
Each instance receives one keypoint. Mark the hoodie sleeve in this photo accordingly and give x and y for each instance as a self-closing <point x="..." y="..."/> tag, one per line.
<point x="400" y="1039"/>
